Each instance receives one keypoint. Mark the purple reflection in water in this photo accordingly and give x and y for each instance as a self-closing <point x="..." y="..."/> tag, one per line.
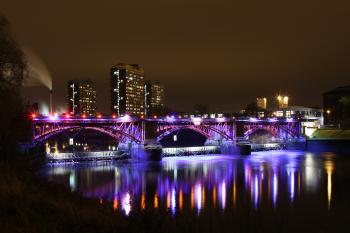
<point x="256" y="190"/>
<point x="196" y="182"/>
<point x="291" y="184"/>
<point x="223" y="194"/>
<point x="198" y="196"/>
<point x="126" y="203"/>
<point x="173" y="200"/>
<point x="275" y="189"/>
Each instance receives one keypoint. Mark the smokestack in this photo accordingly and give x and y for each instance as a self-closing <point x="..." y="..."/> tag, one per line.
<point x="51" y="112"/>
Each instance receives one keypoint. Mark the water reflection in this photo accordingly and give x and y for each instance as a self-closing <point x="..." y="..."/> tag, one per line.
<point x="329" y="166"/>
<point x="126" y="203"/>
<point x="198" y="197"/>
<point x="143" y="201"/>
<point x="202" y="183"/>
<point x="155" y="201"/>
<point x="223" y="195"/>
<point x="275" y="188"/>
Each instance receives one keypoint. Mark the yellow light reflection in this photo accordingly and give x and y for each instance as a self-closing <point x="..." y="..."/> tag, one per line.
<point x="143" y="201"/>
<point x="214" y="196"/>
<point x="192" y="198"/>
<point x="155" y="202"/>
<point x="180" y="199"/>
<point x="203" y="197"/>
<point x="329" y="166"/>
<point x="115" y="203"/>
<point x="168" y="200"/>
<point x="234" y="192"/>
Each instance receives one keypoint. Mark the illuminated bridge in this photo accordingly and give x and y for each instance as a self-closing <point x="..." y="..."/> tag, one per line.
<point x="136" y="130"/>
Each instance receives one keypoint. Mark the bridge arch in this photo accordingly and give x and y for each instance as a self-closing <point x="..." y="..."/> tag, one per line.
<point x="206" y="131"/>
<point x="254" y="130"/>
<point x="284" y="130"/>
<point x="112" y="133"/>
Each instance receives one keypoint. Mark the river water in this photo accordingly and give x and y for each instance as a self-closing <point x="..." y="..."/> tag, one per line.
<point x="280" y="191"/>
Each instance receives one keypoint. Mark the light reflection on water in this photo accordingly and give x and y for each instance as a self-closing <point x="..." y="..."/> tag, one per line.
<point x="198" y="183"/>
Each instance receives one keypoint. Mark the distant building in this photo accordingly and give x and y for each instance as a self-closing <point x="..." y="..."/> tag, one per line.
<point x="336" y="106"/>
<point x="282" y="101"/>
<point x="81" y="97"/>
<point x="154" y="98"/>
<point x="127" y="90"/>
<point x="261" y="103"/>
<point x="311" y="118"/>
<point x="299" y="111"/>
<point x="209" y="115"/>
<point x="261" y="107"/>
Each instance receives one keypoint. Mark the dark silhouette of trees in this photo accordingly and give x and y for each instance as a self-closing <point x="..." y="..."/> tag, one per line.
<point x="12" y="73"/>
<point x="345" y="110"/>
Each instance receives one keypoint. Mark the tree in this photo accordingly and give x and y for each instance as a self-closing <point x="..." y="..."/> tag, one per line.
<point x="12" y="73"/>
<point x="345" y="110"/>
<point x="345" y="101"/>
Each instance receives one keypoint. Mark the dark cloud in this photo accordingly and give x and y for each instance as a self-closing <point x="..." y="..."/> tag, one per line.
<point x="220" y="53"/>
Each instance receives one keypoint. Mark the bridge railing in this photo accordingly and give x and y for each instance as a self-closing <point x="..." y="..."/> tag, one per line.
<point x="181" y="151"/>
<point x="76" y="156"/>
<point x="167" y="119"/>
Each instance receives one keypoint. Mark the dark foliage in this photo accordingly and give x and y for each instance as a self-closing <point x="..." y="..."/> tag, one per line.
<point x="12" y="72"/>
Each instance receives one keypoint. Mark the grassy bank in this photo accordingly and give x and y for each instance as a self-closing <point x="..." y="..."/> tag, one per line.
<point x="331" y="134"/>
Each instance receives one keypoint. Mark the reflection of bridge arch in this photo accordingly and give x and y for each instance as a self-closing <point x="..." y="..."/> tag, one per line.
<point x="206" y="130"/>
<point x="110" y="131"/>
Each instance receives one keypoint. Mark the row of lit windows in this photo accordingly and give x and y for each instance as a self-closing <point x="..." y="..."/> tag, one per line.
<point x="87" y="101"/>
<point x="134" y="105"/>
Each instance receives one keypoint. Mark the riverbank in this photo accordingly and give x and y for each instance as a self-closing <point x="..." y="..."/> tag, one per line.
<point x="29" y="204"/>
<point x="329" y="140"/>
<point x="331" y="134"/>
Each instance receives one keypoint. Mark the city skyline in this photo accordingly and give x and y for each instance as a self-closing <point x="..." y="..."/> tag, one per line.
<point x="131" y="94"/>
<point x="212" y="53"/>
<point x="275" y="99"/>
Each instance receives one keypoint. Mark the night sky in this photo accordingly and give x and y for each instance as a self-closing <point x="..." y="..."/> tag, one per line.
<point x="219" y="53"/>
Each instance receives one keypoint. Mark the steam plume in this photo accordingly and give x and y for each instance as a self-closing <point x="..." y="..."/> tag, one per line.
<point x="38" y="73"/>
